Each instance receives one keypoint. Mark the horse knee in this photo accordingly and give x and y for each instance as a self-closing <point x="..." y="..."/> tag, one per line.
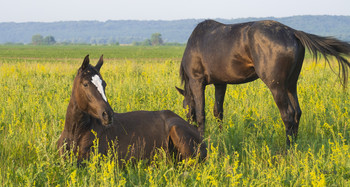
<point x="296" y="125"/>
<point x="200" y="117"/>
<point x="288" y="120"/>
<point x="216" y="112"/>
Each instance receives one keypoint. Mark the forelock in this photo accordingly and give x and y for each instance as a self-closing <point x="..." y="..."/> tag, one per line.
<point x="89" y="72"/>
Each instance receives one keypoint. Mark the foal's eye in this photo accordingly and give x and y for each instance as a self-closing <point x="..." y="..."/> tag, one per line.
<point x="85" y="84"/>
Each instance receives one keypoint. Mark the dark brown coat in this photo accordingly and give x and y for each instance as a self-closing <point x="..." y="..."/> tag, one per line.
<point x="223" y="54"/>
<point x="134" y="134"/>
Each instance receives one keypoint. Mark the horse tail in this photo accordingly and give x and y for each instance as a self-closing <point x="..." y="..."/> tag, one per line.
<point x="327" y="46"/>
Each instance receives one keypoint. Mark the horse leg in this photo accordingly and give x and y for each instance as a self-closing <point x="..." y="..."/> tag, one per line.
<point x="284" y="91"/>
<point x="292" y="90"/>
<point x="293" y="97"/>
<point x="279" y="86"/>
<point x="291" y="116"/>
<point x="285" y="97"/>
<point x="220" y="90"/>
<point x="198" y="88"/>
<point x="278" y="65"/>
<point x="187" y="142"/>
<point x="287" y="108"/>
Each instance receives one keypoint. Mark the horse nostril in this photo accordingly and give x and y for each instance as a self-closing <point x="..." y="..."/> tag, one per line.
<point x="105" y="115"/>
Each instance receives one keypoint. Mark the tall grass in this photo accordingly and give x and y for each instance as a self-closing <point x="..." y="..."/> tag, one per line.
<point x="249" y="150"/>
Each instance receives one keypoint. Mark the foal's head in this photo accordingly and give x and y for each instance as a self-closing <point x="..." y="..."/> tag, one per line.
<point x="89" y="92"/>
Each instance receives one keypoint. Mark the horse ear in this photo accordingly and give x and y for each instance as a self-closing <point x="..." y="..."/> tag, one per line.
<point x="181" y="91"/>
<point x="85" y="62"/>
<point x="99" y="63"/>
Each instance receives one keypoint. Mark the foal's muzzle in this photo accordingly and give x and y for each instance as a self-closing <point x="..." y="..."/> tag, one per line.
<point x="107" y="117"/>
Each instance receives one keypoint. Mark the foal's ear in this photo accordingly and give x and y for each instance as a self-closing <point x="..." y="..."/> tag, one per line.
<point x="99" y="63"/>
<point x="85" y="62"/>
<point x="181" y="91"/>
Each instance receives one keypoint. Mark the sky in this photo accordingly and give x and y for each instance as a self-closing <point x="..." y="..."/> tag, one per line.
<point x="103" y="10"/>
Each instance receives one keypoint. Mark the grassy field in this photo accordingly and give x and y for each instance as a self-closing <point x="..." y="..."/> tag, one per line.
<point x="35" y="87"/>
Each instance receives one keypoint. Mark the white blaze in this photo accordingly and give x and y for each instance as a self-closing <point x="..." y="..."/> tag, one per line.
<point x="97" y="81"/>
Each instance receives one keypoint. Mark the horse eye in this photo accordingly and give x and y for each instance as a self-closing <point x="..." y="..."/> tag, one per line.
<point x="85" y="84"/>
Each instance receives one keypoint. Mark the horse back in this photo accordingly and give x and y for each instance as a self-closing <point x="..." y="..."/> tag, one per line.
<point x="232" y="54"/>
<point x="268" y="35"/>
<point x="218" y="53"/>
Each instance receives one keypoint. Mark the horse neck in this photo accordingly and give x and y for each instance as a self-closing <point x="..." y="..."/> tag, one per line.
<point x="77" y="121"/>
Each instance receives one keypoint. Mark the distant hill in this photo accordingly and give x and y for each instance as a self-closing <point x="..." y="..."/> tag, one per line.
<point x="128" y="31"/>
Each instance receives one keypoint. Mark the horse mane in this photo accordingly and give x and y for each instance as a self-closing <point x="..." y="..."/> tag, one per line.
<point x="183" y="75"/>
<point x="184" y="80"/>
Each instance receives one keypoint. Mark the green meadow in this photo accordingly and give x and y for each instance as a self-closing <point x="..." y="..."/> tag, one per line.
<point x="249" y="150"/>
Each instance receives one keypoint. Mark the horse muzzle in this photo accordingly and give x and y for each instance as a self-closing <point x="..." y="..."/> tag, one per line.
<point x="107" y="117"/>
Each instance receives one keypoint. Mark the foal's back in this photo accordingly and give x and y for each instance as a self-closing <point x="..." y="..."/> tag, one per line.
<point x="140" y="133"/>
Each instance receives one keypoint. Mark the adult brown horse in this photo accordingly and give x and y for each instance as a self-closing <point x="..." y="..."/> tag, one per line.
<point x="222" y="54"/>
<point x="135" y="134"/>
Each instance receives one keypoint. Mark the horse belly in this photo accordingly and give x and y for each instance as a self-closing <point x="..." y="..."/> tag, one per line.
<point x="228" y="61"/>
<point x="233" y="72"/>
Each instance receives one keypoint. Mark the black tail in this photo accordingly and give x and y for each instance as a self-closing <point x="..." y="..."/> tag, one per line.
<point x="327" y="46"/>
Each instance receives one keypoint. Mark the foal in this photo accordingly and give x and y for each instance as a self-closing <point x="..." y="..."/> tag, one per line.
<point x="134" y="134"/>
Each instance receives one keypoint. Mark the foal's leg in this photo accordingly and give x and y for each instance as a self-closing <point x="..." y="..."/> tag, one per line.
<point x="220" y="90"/>
<point x="187" y="142"/>
<point x="184" y="137"/>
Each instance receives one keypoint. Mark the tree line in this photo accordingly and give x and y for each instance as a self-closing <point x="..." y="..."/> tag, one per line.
<point x="155" y="40"/>
<point x="129" y="31"/>
<point x="40" y="40"/>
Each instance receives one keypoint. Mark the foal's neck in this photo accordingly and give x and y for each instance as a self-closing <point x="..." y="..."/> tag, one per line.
<point x="76" y="120"/>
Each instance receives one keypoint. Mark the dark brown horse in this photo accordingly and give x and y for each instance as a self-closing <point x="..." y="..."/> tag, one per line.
<point x="222" y="54"/>
<point x="135" y="134"/>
